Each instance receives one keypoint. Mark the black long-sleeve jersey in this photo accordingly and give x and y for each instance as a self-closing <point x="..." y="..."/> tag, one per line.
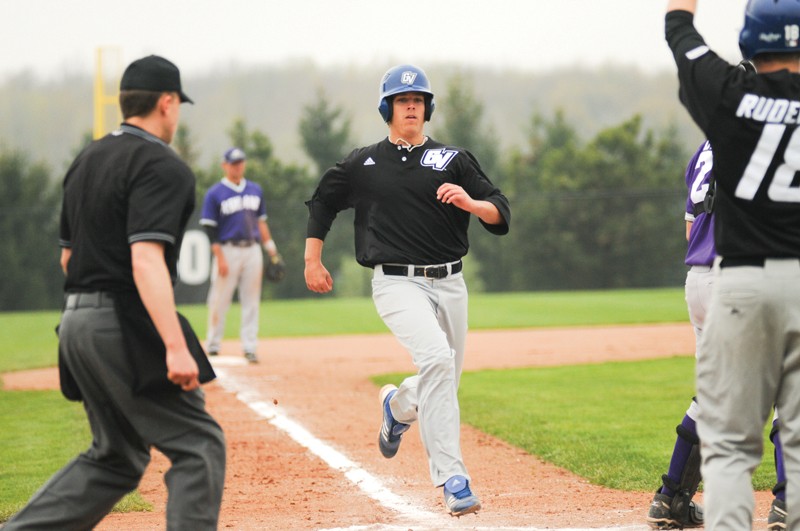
<point x="398" y="219"/>
<point x="751" y="121"/>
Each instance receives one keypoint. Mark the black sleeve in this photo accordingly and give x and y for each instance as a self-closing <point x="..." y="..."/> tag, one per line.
<point x="212" y="231"/>
<point x="331" y="197"/>
<point x="64" y="233"/>
<point x="479" y="187"/>
<point x="157" y="201"/>
<point x="64" y="230"/>
<point x="701" y="72"/>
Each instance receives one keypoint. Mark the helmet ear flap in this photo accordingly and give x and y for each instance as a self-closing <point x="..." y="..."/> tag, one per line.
<point x="385" y="108"/>
<point x="430" y="105"/>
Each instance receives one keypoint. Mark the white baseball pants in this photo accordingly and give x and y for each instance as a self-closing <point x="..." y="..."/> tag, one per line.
<point x="429" y="318"/>
<point x="245" y="270"/>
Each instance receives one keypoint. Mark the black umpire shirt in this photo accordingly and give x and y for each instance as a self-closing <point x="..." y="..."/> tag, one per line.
<point x="398" y="219"/>
<point x="752" y="123"/>
<point x="127" y="187"/>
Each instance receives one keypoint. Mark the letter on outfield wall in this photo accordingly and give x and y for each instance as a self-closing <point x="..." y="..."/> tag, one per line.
<point x="194" y="264"/>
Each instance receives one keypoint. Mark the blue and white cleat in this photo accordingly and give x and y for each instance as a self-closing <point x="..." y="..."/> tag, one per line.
<point x="391" y="430"/>
<point x="459" y="498"/>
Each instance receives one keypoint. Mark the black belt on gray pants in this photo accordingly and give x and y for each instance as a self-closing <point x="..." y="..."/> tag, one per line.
<point x="434" y="271"/>
<point x="744" y="261"/>
<point x="239" y="243"/>
<point x="94" y="299"/>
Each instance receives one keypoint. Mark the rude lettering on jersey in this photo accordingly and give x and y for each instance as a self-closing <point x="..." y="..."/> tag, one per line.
<point x="770" y="110"/>
<point x="238" y="203"/>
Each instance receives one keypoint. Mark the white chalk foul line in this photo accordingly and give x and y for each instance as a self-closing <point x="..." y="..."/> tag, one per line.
<point x="385" y="527"/>
<point x="369" y="484"/>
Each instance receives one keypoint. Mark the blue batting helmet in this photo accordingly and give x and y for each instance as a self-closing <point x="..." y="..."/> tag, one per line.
<point x="400" y="79"/>
<point x="770" y="26"/>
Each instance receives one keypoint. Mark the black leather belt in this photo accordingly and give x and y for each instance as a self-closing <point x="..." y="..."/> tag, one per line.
<point x="239" y="243"/>
<point x="433" y="271"/>
<point x="744" y="261"/>
<point x="95" y="299"/>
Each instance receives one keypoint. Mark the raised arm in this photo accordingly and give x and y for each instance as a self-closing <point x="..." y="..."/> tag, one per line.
<point x="682" y="5"/>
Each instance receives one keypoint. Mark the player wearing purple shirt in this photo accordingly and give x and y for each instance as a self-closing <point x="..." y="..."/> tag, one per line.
<point x="235" y="219"/>
<point x="699" y="225"/>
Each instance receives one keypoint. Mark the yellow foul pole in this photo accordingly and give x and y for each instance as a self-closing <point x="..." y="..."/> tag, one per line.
<point x="106" y="91"/>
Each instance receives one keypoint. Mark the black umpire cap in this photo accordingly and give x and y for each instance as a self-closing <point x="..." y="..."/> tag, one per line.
<point x="153" y="73"/>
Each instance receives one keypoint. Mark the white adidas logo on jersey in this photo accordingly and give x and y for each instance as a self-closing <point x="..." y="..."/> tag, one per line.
<point x="369" y="162"/>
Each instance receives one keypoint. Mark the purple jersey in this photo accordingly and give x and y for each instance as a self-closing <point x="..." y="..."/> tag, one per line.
<point x="234" y="210"/>
<point x="701" y="250"/>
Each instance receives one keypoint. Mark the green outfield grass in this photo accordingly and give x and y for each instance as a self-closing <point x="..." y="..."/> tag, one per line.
<point x="28" y="340"/>
<point x="611" y="423"/>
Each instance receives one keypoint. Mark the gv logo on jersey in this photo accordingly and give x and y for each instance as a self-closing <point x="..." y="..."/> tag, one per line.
<point x="438" y="159"/>
<point x="407" y="78"/>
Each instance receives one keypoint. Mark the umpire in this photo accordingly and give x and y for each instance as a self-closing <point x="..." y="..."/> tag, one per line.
<point x="127" y="198"/>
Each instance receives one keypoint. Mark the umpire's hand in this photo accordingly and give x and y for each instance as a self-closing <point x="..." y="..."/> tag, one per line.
<point x="182" y="369"/>
<point x="318" y="279"/>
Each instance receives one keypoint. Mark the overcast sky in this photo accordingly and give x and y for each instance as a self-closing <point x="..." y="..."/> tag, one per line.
<point x="54" y="37"/>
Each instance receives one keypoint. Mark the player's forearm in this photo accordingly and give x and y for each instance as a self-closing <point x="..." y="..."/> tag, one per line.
<point x="263" y="229"/>
<point x="682" y="5"/>
<point x="313" y="253"/>
<point x="266" y="238"/>
<point x="487" y="212"/>
<point x="66" y="254"/>
<point x="153" y="281"/>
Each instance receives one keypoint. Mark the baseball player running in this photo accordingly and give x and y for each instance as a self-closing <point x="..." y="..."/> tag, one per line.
<point x="235" y="219"/>
<point x="749" y="353"/>
<point x="413" y="198"/>
<point x="672" y="506"/>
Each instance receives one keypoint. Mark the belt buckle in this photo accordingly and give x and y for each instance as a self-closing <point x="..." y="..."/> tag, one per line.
<point x="436" y="272"/>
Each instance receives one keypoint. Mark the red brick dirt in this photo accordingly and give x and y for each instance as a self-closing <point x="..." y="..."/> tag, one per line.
<point x="275" y="483"/>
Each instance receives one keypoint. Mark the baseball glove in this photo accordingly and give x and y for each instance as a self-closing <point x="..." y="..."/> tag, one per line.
<point x="275" y="268"/>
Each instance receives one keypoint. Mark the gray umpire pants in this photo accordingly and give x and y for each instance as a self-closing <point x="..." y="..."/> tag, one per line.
<point x="124" y="426"/>
<point x="429" y="319"/>
<point x="749" y="359"/>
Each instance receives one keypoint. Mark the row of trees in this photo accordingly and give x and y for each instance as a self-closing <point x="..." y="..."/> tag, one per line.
<point x="602" y="213"/>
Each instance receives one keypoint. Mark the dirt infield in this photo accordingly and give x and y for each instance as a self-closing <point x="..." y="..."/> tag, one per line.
<point x="275" y="482"/>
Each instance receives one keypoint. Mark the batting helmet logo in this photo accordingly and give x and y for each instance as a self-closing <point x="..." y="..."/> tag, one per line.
<point x="408" y="77"/>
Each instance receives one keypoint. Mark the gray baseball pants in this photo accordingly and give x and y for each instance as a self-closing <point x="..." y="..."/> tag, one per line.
<point x="749" y="359"/>
<point x="124" y="426"/>
<point x="245" y="271"/>
<point x="429" y="319"/>
<point x="699" y="280"/>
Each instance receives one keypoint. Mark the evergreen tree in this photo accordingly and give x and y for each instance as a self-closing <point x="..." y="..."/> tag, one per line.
<point x="29" y="213"/>
<point x="326" y="139"/>
<point x="460" y="117"/>
<point x="325" y="133"/>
